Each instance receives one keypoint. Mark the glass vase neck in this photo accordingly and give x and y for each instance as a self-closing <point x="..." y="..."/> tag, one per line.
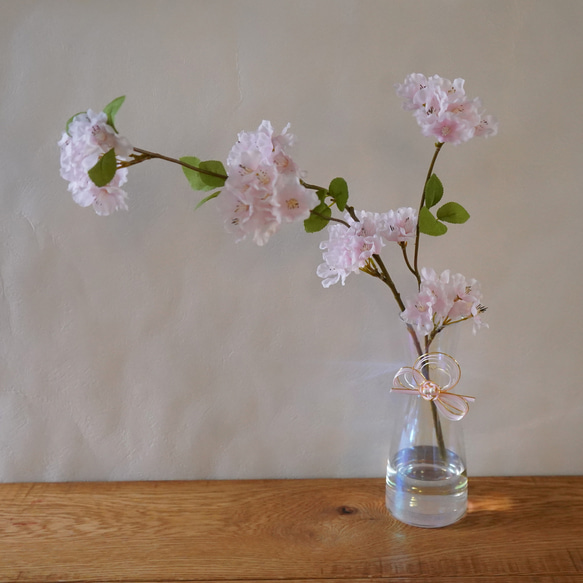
<point x="445" y="341"/>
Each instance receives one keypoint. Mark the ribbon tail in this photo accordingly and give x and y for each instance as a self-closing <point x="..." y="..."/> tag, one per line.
<point x="467" y="398"/>
<point x="452" y="407"/>
<point x="407" y="391"/>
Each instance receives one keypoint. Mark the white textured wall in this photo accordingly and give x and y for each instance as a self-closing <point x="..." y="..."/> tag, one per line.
<point x="149" y="345"/>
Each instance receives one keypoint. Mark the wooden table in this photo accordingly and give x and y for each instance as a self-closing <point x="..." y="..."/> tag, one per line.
<point x="517" y="529"/>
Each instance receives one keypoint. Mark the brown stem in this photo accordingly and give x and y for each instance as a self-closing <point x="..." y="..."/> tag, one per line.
<point x="147" y="155"/>
<point x="416" y="342"/>
<point x="384" y="276"/>
<point x="349" y="209"/>
<point x="387" y="279"/>
<point x="311" y="186"/>
<point x="438" y="147"/>
<point x="314" y="212"/>
<point x="438" y="432"/>
<point x="434" y="412"/>
<point x="406" y="258"/>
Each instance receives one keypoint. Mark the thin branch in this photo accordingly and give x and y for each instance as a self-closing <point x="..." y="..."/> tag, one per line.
<point x="312" y="186"/>
<point x="438" y="147"/>
<point x="335" y="220"/>
<point x="387" y="279"/>
<point x="403" y="246"/>
<point x="350" y="211"/>
<point x="147" y="155"/>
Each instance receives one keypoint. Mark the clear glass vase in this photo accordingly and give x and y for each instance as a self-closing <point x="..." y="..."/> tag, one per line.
<point x="426" y="467"/>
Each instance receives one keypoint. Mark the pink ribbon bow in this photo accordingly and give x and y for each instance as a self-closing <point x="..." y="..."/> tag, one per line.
<point x="445" y="373"/>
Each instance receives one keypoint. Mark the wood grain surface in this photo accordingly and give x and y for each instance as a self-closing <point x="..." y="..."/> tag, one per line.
<point x="517" y="529"/>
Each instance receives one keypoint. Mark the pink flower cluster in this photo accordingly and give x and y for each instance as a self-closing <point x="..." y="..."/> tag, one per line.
<point x="443" y="300"/>
<point x="349" y="248"/>
<point x="89" y="137"/>
<point x="263" y="188"/>
<point x="442" y="109"/>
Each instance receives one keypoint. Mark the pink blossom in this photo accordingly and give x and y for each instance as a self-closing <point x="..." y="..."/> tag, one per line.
<point x="291" y="201"/>
<point x="487" y="127"/>
<point x="410" y="90"/>
<point x="245" y="214"/>
<point x="105" y="199"/>
<point x="263" y="189"/>
<point x="88" y="138"/>
<point x="419" y="312"/>
<point x="449" y="128"/>
<point x="443" y="300"/>
<point x="399" y="225"/>
<point x="348" y="248"/>
<point x="442" y="109"/>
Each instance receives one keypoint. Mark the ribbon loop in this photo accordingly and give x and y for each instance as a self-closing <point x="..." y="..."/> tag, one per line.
<point x="432" y="376"/>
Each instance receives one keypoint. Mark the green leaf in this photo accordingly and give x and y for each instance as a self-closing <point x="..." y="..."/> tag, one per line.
<point x="452" y="212"/>
<point x="318" y="219"/>
<point x="111" y="110"/>
<point x="433" y="191"/>
<point x="71" y="119"/>
<point x="104" y="171"/>
<point x="429" y="225"/>
<point x="339" y="192"/>
<point x="192" y="176"/>
<point x="199" y="181"/>
<point x="207" y="198"/>
<point x="213" y="166"/>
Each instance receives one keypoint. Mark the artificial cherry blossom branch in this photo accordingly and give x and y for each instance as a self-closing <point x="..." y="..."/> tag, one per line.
<point x="147" y="155"/>
<point x="261" y="189"/>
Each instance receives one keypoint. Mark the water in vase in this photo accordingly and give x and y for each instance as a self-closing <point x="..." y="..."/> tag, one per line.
<point x="426" y="488"/>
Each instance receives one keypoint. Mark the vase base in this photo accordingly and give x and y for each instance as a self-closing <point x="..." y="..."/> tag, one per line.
<point x="425" y="490"/>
